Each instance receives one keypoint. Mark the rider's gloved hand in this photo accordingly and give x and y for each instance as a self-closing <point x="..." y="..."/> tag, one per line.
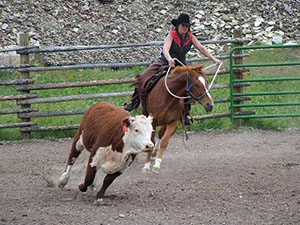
<point x="171" y="62"/>
<point x="217" y="61"/>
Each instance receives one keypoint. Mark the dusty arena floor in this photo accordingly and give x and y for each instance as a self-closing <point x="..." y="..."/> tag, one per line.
<point x="242" y="178"/>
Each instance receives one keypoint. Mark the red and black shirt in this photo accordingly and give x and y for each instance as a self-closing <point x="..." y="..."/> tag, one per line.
<point x="179" y="47"/>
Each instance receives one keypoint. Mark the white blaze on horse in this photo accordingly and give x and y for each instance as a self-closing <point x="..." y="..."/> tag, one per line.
<point x="113" y="139"/>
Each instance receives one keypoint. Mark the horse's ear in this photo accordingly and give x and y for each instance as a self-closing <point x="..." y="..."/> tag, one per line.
<point x="150" y="117"/>
<point x="198" y="69"/>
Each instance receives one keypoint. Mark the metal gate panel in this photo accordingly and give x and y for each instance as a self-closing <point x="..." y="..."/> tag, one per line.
<point x="234" y="81"/>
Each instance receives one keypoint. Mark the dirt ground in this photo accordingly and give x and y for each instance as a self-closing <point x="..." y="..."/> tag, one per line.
<point x="242" y="178"/>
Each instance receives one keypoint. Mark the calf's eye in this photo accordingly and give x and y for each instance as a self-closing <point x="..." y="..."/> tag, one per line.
<point x="136" y="130"/>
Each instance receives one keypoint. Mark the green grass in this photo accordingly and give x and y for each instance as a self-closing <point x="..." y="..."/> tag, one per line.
<point x="257" y="56"/>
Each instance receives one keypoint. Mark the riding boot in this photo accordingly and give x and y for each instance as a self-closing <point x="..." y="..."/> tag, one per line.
<point x="186" y="112"/>
<point x="135" y="101"/>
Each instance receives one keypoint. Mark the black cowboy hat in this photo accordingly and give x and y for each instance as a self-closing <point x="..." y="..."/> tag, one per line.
<point x="183" y="19"/>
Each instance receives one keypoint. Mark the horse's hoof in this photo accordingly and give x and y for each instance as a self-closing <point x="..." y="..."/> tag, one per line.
<point x="155" y="170"/>
<point x="99" y="201"/>
<point x="82" y="187"/>
<point x="147" y="167"/>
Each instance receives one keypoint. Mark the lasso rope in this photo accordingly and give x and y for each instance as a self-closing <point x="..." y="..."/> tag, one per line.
<point x="214" y="77"/>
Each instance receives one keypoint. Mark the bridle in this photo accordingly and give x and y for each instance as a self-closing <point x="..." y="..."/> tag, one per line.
<point x="188" y="87"/>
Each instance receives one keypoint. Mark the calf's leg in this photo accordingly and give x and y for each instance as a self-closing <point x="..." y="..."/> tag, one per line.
<point x="109" y="178"/>
<point x="92" y="187"/>
<point x="76" y="148"/>
<point x="90" y="174"/>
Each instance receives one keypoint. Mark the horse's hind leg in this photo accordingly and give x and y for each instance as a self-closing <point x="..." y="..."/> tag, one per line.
<point x="161" y="133"/>
<point x="171" y="128"/>
<point x="147" y="166"/>
<point x="76" y="148"/>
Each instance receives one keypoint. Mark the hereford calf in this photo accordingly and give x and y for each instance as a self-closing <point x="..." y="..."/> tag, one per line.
<point x="113" y="139"/>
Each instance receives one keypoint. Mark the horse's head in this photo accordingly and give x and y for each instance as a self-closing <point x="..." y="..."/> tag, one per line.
<point x="197" y="87"/>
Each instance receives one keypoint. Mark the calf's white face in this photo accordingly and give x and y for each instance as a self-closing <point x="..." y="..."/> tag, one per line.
<point x="138" y="131"/>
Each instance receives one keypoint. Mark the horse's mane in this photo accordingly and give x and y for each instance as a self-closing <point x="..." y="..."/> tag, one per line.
<point x="192" y="70"/>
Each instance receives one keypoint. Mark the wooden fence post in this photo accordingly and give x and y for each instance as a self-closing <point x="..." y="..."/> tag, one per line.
<point x="23" y="39"/>
<point x="237" y="33"/>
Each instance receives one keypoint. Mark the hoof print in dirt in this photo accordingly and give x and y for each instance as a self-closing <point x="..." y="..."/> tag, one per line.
<point x="49" y="182"/>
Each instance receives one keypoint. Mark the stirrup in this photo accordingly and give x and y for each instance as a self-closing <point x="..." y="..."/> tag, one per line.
<point x="130" y="106"/>
<point x="187" y="121"/>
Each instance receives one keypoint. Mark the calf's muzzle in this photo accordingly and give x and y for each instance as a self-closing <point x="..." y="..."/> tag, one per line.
<point x="148" y="147"/>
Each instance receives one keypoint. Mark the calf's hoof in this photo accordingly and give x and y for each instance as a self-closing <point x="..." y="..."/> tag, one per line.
<point x="61" y="185"/>
<point x="63" y="180"/>
<point x="99" y="201"/>
<point x="82" y="187"/>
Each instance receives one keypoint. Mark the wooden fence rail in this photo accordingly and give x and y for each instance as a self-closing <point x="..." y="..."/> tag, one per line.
<point x="126" y="46"/>
<point x="73" y="98"/>
<point x="16" y="111"/>
<point x="25" y="85"/>
<point x="16" y="82"/>
<point x="33" y="68"/>
<point x="81" y="111"/>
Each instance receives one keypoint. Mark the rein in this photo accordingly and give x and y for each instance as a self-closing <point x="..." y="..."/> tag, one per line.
<point x="191" y="95"/>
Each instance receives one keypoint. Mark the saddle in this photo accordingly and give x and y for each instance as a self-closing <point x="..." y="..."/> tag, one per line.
<point x="153" y="81"/>
<point x="150" y="84"/>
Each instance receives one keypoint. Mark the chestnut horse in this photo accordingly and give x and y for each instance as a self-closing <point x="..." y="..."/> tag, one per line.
<point x="166" y="104"/>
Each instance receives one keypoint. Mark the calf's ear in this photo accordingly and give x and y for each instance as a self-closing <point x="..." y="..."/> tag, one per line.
<point x="126" y="124"/>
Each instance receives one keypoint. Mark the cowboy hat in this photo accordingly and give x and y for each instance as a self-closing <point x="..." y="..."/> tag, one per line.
<point x="183" y="19"/>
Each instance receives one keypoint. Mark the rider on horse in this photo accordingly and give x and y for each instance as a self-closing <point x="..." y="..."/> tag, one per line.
<point x="176" y="45"/>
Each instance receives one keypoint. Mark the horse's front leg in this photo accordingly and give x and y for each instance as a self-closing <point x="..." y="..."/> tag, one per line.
<point x="147" y="165"/>
<point x="171" y="128"/>
<point x="161" y="133"/>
